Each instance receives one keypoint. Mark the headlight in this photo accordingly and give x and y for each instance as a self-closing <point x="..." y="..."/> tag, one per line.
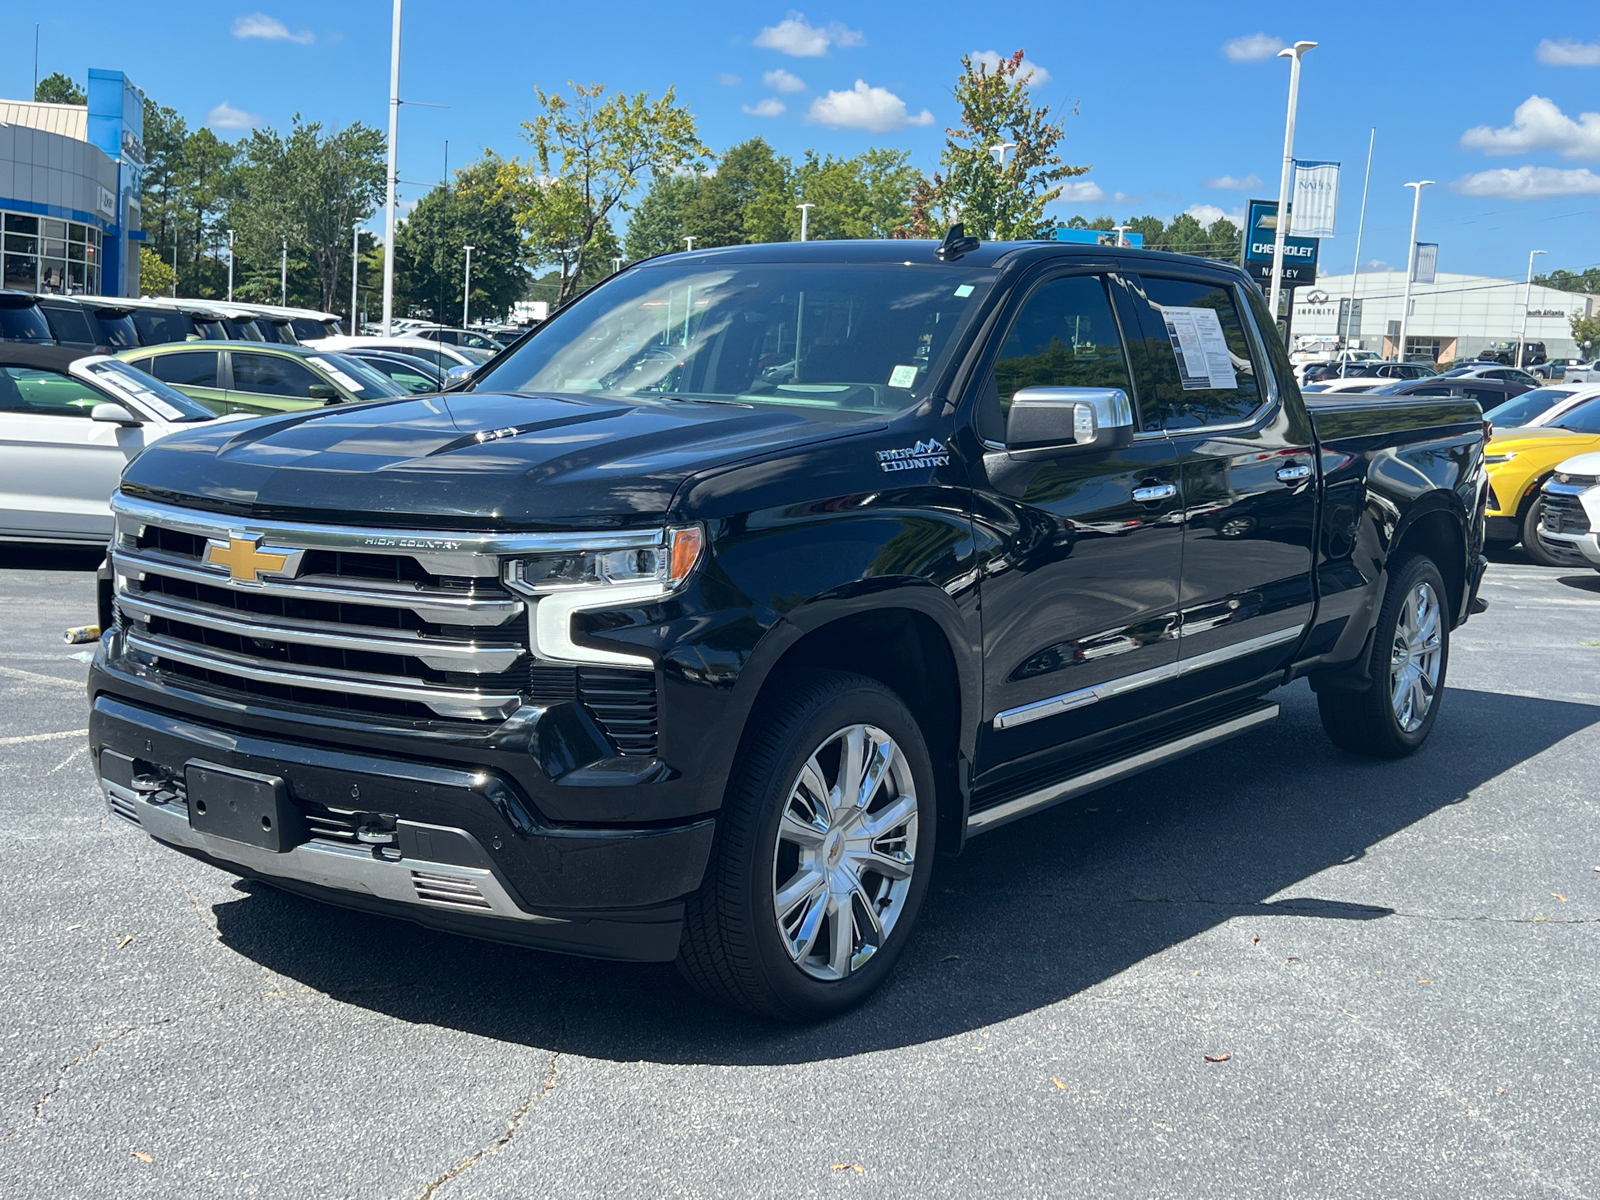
<point x="665" y="564"/>
<point x="1494" y="459"/>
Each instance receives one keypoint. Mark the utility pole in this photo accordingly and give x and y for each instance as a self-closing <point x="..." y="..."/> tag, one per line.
<point x="174" y="260"/>
<point x="1527" y="299"/>
<point x="1411" y="258"/>
<point x="283" y="276"/>
<point x="1355" y="271"/>
<point x="355" y="279"/>
<point x="466" y="291"/>
<point x="36" y="60"/>
<point x="805" y="218"/>
<point x="388" y="201"/>
<point x="230" y="266"/>
<point x="1294" y="53"/>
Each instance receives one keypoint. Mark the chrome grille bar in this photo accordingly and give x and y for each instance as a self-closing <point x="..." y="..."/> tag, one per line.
<point x="439" y="653"/>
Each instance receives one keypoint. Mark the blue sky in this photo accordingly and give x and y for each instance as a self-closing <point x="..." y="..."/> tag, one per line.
<point x="1179" y="105"/>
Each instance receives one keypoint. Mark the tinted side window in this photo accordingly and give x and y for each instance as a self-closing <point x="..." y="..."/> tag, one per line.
<point x="1064" y="336"/>
<point x="273" y="376"/>
<point x="1488" y="397"/>
<point x="69" y="325"/>
<point x="1583" y="419"/>
<point x="156" y="326"/>
<point x="1206" y="373"/>
<point x="1433" y="389"/>
<point x="192" y="368"/>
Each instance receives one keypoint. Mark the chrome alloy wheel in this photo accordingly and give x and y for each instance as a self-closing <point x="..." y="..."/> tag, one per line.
<point x="847" y="841"/>
<point x="1415" y="658"/>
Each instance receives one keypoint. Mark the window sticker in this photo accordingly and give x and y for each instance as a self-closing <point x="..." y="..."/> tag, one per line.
<point x="902" y="377"/>
<point x="964" y="291"/>
<point x="1204" y="363"/>
<point x="337" y="375"/>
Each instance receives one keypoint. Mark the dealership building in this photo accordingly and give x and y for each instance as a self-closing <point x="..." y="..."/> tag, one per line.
<point x="70" y="181"/>
<point x="1452" y="318"/>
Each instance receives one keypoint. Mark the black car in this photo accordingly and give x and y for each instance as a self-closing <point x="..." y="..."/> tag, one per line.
<point x="92" y="325"/>
<point x="22" y="321"/>
<point x="1487" y="392"/>
<point x="416" y="375"/>
<point x="1319" y="372"/>
<point x="696" y="625"/>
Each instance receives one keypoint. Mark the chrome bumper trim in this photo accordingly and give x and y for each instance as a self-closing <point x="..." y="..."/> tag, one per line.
<point x="444" y="701"/>
<point x="438" y="653"/>
<point x="345" y="868"/>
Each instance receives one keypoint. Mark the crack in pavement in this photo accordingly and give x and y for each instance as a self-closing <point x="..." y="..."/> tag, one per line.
<point x="512" y="1124"/>
<point x="61" y="1078"/>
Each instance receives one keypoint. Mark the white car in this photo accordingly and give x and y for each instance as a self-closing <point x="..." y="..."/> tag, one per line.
<point x="1572" y="507"/>
<point x="1356" y="383"/>
<point x="1541" y="406"/>
<point x="69" y="423"/>
<point x="440" y="354"/>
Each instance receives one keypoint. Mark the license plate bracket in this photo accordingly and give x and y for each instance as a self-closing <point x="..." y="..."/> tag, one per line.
<point x="242" y="806"/>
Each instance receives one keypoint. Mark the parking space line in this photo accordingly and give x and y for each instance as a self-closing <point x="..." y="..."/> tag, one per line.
<point x="42" y="737"/>
<point x="34" y="676"/>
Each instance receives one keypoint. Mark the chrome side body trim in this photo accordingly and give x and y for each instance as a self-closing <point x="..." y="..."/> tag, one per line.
<point x="1067" y="701"/>
<point x="1065" y="789"/>
<point x="348" y="868"/>
<point x="447" y="702"/>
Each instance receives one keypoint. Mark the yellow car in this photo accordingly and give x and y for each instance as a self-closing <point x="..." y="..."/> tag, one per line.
<point x="1519" y="461"/>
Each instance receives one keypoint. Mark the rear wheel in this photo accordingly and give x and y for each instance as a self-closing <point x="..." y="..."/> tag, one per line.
<point x="1410" y="655"/>
<point x="1540" y="551"/>
<point x="822" y="857"/>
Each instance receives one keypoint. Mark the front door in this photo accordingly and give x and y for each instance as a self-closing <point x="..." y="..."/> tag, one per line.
<point x="1080" y="592"/>
<point x="1249" y="468"/>
<point x="272" y="383"/>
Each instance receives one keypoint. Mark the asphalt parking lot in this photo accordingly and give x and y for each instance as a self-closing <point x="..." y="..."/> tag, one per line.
<point x="1396" y="965"/>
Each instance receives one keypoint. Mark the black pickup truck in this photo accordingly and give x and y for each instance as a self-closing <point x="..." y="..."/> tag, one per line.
<point x="711" y="613"/>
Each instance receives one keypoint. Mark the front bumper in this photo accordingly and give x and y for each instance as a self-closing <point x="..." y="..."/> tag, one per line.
<point x="469" y="856"/>
<point x="1585" y="541"/>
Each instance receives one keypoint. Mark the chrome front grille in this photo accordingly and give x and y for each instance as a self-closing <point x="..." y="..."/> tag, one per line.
<point x="1564" y="514"/>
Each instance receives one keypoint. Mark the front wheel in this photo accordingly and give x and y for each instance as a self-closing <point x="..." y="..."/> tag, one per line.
<point x="822" y="857"/>
<point x="1410" y="655"/>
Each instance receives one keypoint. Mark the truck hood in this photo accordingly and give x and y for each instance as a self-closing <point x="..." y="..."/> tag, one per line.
<point x="473" y="459"/>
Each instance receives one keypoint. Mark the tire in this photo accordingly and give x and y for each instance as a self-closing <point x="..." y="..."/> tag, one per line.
<point x="1383" y="721"/>
<point x="762" y="931"/>
<point x="1540" y="551"/>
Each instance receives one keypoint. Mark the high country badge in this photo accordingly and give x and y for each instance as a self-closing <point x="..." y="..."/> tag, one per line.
<point x="930" y="453"/>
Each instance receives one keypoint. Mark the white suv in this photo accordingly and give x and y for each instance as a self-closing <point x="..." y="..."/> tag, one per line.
<point x="1572" y="507"/>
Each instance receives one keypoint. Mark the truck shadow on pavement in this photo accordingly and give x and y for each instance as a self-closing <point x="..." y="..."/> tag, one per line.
<point x="1029" y="915"/>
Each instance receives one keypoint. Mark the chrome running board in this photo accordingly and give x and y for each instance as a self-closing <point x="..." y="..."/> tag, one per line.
<point x="1076" y="785"/>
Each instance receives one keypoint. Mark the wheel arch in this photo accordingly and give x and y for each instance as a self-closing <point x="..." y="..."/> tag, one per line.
<point x="1437" y="529"/>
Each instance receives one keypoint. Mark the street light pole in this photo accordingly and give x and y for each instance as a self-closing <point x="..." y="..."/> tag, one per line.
<point x="1527" y="299"/>
<point x="355" y="277"/>
<point x="466" y="291"/>
<point x="388" y="201"/>
<point x="1120" y="231"/>
<point x="230" y="266"/>
<point x="1411" y="257"/>
<point x="1294" y="53"/>
<point x="1355" y="271"/>
<point x="1000" y="148"/>
<point x="689" y="242"/>
<point x="805" y="217"/>
<point x="283" y="275"/>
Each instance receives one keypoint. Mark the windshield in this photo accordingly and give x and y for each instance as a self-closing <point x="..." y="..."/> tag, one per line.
<point x="358" y="377"/>
<point x="1526" y="407"/>
<point x="857" y="338"/>
<point x="129" y="383"/>
<point x="1583" y="419"/>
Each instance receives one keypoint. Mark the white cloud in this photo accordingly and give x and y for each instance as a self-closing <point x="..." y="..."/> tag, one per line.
<point x="259" y="25"/>
<point x="1082" y="191"/>
<point x="1206" y="214"/>
<point x="783" y="81"/>
<point x="1377" y="264"/>
<point x="728" y="80"/>
<point x="226" y="116"/>
<point x="1229" y="183"/>
<point x="874" y="109"/>
<point x="1568" y="53"/>
<point x="1539" y="124"/>
<point x="1029" y="71"/>
<point x="769" y="107"/>
<point x="1127" y="197"/>
<point x="1252" y="47"/>
<point x="1530" y="183"/>
<point x="794" y="37"/>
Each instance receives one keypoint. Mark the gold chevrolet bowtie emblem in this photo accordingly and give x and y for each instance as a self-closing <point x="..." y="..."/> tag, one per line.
<point x="247" y="562"/>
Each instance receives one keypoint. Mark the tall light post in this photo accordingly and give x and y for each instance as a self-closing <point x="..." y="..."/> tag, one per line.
<point x="1411" y="259"/>
<point x="1355" y="271"/>
<point x="1527" y="299"/>
<point x="230" y="266"/>
<point x="999" y="150"/>
<point x="1294" y="53"/>
<point x="805" y="217"/>
<point x="388" y="200"/>
<point x="283" y="275"/>
<point x="466" y="291"/>
<point x="689" y="243"/>
<point x="1121" y="231"/>
<point x="616" y="265"/>
<point x="355" y="278"/>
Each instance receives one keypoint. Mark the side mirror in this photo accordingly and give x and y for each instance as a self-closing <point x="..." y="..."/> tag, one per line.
<point x="325" y="392"/>
<point x="113" y="414"/>
<point x="1046" y="422"/>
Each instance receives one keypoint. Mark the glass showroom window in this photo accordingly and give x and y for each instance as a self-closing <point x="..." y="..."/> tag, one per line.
<point x="43" y="254"/>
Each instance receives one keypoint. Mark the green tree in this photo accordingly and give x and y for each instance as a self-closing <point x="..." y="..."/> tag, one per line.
<point x="59" y="89"/>
<point x="1586" y="332"/>
<point x="750" y="198"/>
<point x="1586" y="281"/>
<point x="430" y="246"/>
<point x="660" y="221"/>
<point x="156" y="278"/>
<point x="164" y="135"/>
<point x="312" y="190"/>
<point x="589" y="154"/>
<point x="993" y="200"/>
<point x="868" y="196"/>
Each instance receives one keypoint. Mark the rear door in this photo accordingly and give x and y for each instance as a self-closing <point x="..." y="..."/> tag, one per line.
<point x="196" y="373"/>
<point x="1080" y="598"/>
<point x="1249" y="470"/>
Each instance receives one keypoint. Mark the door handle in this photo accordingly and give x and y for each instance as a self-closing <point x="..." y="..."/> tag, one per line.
<point x="1157" y="491"/>
<point x="1294" y="473"/>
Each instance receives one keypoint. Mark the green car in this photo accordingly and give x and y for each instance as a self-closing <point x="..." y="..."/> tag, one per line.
<point x="261" y="378"/>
